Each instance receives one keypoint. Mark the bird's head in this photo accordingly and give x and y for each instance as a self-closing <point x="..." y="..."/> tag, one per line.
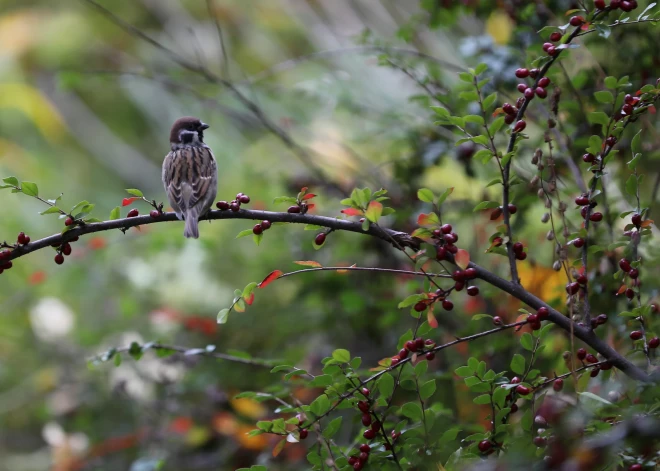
<point x="187" y="131"/>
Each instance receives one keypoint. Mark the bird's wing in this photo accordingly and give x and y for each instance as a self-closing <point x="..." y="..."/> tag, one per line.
<point x="189" y="174"/>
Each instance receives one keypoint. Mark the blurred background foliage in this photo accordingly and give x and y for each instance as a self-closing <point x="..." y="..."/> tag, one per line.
<point x="85" y="110"/>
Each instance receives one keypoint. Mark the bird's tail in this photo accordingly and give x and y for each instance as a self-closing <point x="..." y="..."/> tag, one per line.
<point x="192" y="223"/>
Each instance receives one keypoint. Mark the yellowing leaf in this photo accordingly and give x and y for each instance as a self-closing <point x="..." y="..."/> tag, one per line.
<point x="374" y="211"/>
<point x="308" y="263"/>
<point x="248" y="407"/>
<point x="462" y="258"/>
<point x="500" y="26"/>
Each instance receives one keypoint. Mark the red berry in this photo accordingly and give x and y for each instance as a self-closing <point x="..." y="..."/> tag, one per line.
<point x="533" y="318"/>
<point x="556" y="36"/>
<point x="420" y="306"/>
<point x="521" y="87"/>
<point x="515" y="380"/>
<point x="366" y="419"/>
<point x="358" y="465"/>
<point x="594" y="372"/>
<point x="582" y="200"/>
<point x="257" y="229"/>
<point x="544" y="82"/>
<point x="630" y="293"/>
<point x="529" y="93"/>
<point x="635" y="467"/>
<point x="293" y="209"/>
<point x="265" y="224"/>
<point x="497" y="320"/>
<point x="518" y="247"/>
<point x="222" y="205"/>
<point x="520" y="125"/>
<point x="509" y="119"/>
<point x="596" y="217"/>
<point x="403" y="354"/>
<point x="430" y="356"/>
<point x="419" y="344"/>
<point x="320" y="238"/>
<point x="59" y="259"/>
<point x="624" y="265"/>
<point x="514" y="408"/>
<point x="552" y="51"/>
<point x="369" y="434"/>
<point x="582" y="279"/>
<point x="543" y="312"/>
<point x="68" y="221"/>
<point x="627" y="109"/>
<point x="581" y="353"/>
<point x="513" y="209"/>
<point x="588" y="158"/>
<point x="522" y="73"/>
<point x="473" y="291"/>
<point x="547" y="46"/>
<point x="447" y="305"/>
<point x="154" y="213"/>
<point x="627" y="6"/>
<point x="363" y="406"/>
<point x="636" y="335"/>
<point x="533" y="73"/>
<point x="303" y="433"/>
<point x="572" y="288"/>
<point x="522" y="390"/>
<point x="470" y="273"/>
<point x="66" y="249"/>
<point x="133" y="213"/>
<point x="591" y="358"/>
<point x="633" y="273"/>
<point x="410" y="345"/>
<point x="558" y="385"/>
<point x="521" y="256"/>
<point x="245" y="199"/>
<point x="576" y="21"/>
<point x="497" y="212"/>
<point x="508" y="109"/>
<point x="21" y="238"/>
<point x="637" y="219"/>
<point x="541" y="92"/>
<point x="654" y="342"/>
<point x="485" y="446"/>
<point x="446" y="228"/>
<point x="600" y="4"/>
<point x="610" y="141"/>
<point x="375" y="426"/>
<point x="352" y="460"/>
<point x="365" y="448"/>
<point x="365" y="392"/>
<point x="441" y="253"/>
<point x="539" y="441"/>
<point x="579" y="242"/>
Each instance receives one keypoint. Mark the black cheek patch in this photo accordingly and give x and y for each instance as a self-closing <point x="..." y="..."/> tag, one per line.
<point x="187" y="137"/>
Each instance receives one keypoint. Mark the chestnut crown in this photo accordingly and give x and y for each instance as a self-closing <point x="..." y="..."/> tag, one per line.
<point x="185" y="129"/>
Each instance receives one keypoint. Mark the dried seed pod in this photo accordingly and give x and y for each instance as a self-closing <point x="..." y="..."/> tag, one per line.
<point x="548" y="203"/>
<point x="545" y="218"/>
<point x="550" y="235"/>
<point x="535" y="180"/>
<point x="562" y="206"/>
<point x="556" y="266"/>
<point x="541" y="193"/>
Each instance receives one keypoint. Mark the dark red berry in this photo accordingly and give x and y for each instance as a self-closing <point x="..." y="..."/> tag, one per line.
<point x="509" y="119"/>
<point x="265" y="224"/>
<point x="582" y="279"/>
<point x="358" y="465"/>
<point x="420" y="306"/>
<point x="610" y="141"/>
<point x="576" y="21"/>
<point x="257" y="229"/>
<point x="365" y="392"/>
<point x="473" y="291"/>
<point x="59" y="259"/>
<point x="579" y="242"/>
<point x="470" y="273"/>
<point x="522" y="87"/>
<point x="552" y="51"/>
<point x="588" y="158"/>
<point x="556" y="36"/>
<point x="630" y="293"/>
<point x="558" y="385"/>
<point x="154" y="213"/>
<point x="515" y="380"/>
<point x="363" y="406"/>
<point x="633" y="273"/>
<point x="518" y="247"/>
<point x="369" y="434"/>
<point x="513" y="209"/>
<point x="533" y="73"/>
<point x="508" y="109"/>
<point x="544" y="82"/>
<point x="596" y="217"/>
<point x="497" y="320"/>
<point x="365" y="448"/>
<point x="21" y="238"/>
<point x="514" y="408"/>
<point x="522" y="73"/>
<point x="637" y="219"/>
<point x="636" y="334"/>
<point x="543" y="312"/>
<point x="410" y="345"/>
<point x="320" y="238"/>
<point x="600" y="4"/>
<point x="654" y="342"/>
<point x="133" y="213"/>
<point x="485" y="446"/>
<point x="403" y="354"/>
<point x="366" y="419"/>
<point x="234" y="206"/>
<point x="582" y="200"/>
<point x="303" y="433"/>
<point x="635" y="467"/>
<point x="522" y="390"/>
<point x="581" y="353"/>
<point x="529" y="93"/>
<point x="547" y="46"/>
<point x="293" y="209"/>
<point x="376" y="425"/>
<point x="572" y="288"/>
<point x="591" y="358"/>
<point x="352" y="460"/>
<point x="624" y="265"/>
<point x="539" y="441"/>
<point x="541" y="92"/>
<point x="222" y="205"/>
<point x="66" y="249"/>
<point x="533" y="318"/>
<point x="441" y="253"/>
<point x="68" y="221"/>
<point x="419" y="344"/>
<point x="521" y="256"/>
<point x="245" y="199"/>
<point x="446" y="228"/>
<point x="447" y="305"/>
<point x="594" y="372"/>
<point x="430" y="356"/>
<point x="497" y="212"/>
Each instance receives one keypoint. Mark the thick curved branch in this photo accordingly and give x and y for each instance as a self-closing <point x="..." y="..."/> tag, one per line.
<point x="398" y="239"/>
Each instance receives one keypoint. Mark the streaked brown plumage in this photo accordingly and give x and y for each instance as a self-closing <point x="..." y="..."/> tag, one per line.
<point x="190" y="173"/>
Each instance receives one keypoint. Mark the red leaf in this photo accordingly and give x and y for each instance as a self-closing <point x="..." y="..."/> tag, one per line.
<point x="274" y="275"/>
<point x="646" y="223"/>
<point x="433" y="322"/>
<point x="278" y="448"/>
<point x="352" y="212"/>
<point x="462" y="258"/>
<point x="311" y="206"/>
<point x="430" y="219"/>
<point x="621" y="290"/>
<point x="303" y="189"/>
<point x="127" y="201"/>
<point x="249" y="300"/>
<point x="308" y="196"/>
<point x="308" y="263"/>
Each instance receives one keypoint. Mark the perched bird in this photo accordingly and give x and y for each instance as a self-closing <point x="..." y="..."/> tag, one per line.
<point x="190" y="174"/>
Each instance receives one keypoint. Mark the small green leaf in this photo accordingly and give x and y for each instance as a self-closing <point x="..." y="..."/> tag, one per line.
<point x="427" y="389"/>
<point x="635" y="144"/>
<point x="341" y="355"/>
<point x="286" y="199"/>
<point x="598" y="117"/>
<point x="386" y="385"/>
<point x="425" y="195"/>
<point x="604" y="96"/>
<point x="13" y="181"/>
<point x="257" y="238"/>
<point x="610" y="82"/>
<point x="444" y="195"/>
<point x="332" y="428"/>
<point x="489" y="100"/>
<point x="475" y="119"/>
<point x="134" y="192"/>
<point x="320" y="405"/>
<point x="374" y="211"/>
<point x="481" y="68"/>
<point x="486" y="205"/>
<point x="477" y="317"/>
<point x="420" y="368"/>
<point x="464" y="371"/>
<point x="631" y="185"/>
<point x="518" y="364"/>
<point x="527" y="341"/>
<point x="115" y="213"/>
<point x="465" y="77"/>
<point x="223" y="315"/>
<point x="412" y="410"/>
<point x="30" y="189"/>
<point x="51" y="210"/>
<point x="118" y="359"/>
<point x="595" y="397"/>
<point x="495" y="126"/>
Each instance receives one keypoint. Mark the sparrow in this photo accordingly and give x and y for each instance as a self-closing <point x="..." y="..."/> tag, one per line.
<point x="190" y="173"/>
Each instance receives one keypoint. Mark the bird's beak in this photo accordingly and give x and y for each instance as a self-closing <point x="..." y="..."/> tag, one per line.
<point x="204" y="126"/>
